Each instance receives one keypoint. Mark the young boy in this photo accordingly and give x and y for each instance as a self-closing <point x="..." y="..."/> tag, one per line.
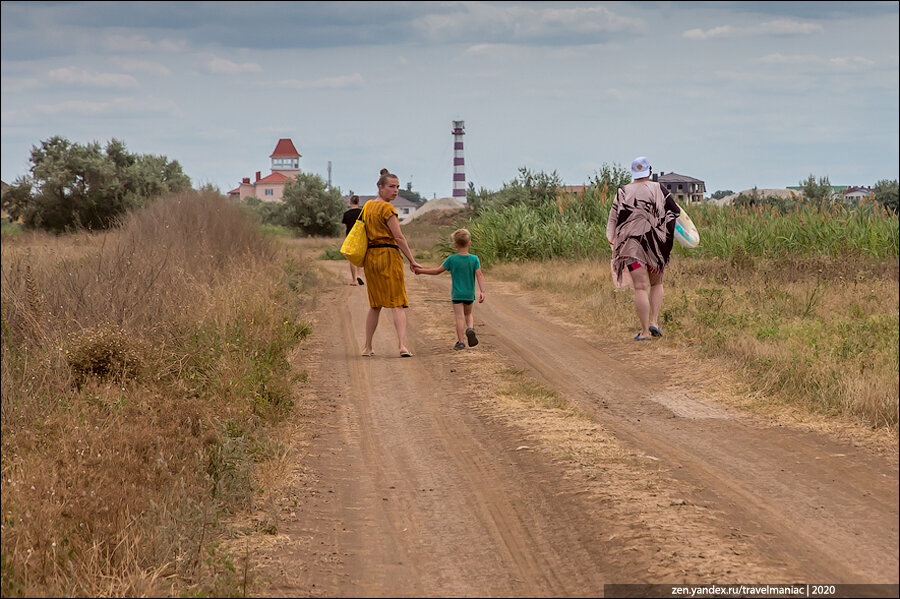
<point x="465" y="269"/>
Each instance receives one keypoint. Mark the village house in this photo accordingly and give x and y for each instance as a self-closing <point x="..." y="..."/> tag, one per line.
<point x="684" y="189"/>
<point x="404" y="207"/>
<point x="285" y="166"/>
<point x="857" y="193"/>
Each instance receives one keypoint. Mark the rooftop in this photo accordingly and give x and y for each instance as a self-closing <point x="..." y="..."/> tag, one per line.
<point x="285" y="148"/>
<point x="675" y="177"/>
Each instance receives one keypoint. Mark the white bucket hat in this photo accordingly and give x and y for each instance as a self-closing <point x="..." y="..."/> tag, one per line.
<point x="640" y="167"/>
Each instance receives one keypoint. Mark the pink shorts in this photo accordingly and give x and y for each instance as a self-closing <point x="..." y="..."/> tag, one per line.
<point x="632" y="266"/>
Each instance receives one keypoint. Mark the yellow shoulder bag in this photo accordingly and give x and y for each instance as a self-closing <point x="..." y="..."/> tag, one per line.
<point x="355" y="245"/>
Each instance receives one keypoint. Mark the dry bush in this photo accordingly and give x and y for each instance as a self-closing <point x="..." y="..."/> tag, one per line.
<point x="140" y="370"/>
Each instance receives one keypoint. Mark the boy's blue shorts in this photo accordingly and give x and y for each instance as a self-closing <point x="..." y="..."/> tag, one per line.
<point x="466" y="302"/>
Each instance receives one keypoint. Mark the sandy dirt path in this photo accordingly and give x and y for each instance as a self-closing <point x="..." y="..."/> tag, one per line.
<point x="420" y="477"/>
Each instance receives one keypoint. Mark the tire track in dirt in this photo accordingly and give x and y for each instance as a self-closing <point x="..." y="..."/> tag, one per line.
<point x="413" y="494"/>
<point x="415" y="483"/>
<point x="824" y="509"/>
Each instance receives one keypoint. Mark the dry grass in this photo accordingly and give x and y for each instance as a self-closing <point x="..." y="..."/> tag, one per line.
<point x="141" y="371"/>
<point x="820" y="334"/>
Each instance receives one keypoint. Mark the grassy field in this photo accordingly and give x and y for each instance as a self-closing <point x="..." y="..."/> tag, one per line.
<point x="144" y="371"/>
<point x="575" y="227"/>
<point x="803" y="305"/>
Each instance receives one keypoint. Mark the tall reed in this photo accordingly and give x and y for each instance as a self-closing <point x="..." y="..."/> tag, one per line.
<point x="575" y="227"/>
<point x="809" y="230"/>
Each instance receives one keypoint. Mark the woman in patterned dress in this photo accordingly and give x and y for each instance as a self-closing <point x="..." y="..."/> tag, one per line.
<point x="641" y="229"/>
<point x="384" y="264"/>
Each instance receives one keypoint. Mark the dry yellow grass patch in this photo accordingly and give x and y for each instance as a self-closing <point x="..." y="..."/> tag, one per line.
<point x="817" y="337"/>
<point x="142" y="371"/>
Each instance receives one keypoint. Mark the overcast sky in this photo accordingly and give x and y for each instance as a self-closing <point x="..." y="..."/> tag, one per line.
<point x="738" y="94"/>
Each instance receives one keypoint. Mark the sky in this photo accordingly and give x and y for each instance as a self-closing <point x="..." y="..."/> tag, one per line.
<point x="738" y="94"/>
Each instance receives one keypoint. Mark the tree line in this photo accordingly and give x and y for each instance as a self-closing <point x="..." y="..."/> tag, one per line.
<point x="84" y="186"/>
<point x="72" y="186"/>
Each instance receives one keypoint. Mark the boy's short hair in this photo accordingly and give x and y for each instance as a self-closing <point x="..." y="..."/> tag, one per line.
<point x="461" y="237"/>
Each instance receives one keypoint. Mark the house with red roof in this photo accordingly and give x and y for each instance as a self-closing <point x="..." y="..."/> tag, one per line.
<point x="285" y="166"/>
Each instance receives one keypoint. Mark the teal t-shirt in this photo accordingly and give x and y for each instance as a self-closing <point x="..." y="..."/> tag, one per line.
<point x="462" y="269"/>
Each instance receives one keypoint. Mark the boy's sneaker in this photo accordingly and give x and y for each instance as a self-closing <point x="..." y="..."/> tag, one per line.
<point x="470" y="335"/>
<point x="459" y="345"/>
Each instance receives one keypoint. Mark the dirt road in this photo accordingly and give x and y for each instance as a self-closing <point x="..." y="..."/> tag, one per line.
<point x="431" y="476"/>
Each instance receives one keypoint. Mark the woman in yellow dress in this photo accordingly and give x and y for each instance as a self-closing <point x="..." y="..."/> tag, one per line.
<point x="384" y="265"/>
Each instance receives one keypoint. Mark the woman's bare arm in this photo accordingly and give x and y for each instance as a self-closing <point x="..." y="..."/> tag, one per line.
<point x="393" y="224"/>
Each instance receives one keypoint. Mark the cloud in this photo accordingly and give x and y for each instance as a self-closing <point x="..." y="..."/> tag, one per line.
<point x="354" y="80"/>
<point x="787" y="27"/>
<point x="493" y="51"/>
<point x="790" y="59"/>
<point x="139" y="44"/>
<point x="852" y="63"/>
<point x="20" y="85"/>
<point x="738" y="76"/>
<point x="805" y="9"/>
<point x="699" y="34"/>
<point x="141" y="66"/>
<point x="130" y="106"/>
<point x="223" y="66"/>
<point x="79" y="76"/>
<point x="480" y="23"/>
<point x="769" y="28"/>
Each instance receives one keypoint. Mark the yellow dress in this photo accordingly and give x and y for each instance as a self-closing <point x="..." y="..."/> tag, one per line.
<point x="384" y="265"/>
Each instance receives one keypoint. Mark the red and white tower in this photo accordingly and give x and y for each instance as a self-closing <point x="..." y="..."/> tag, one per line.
<point x="459" y="162"/>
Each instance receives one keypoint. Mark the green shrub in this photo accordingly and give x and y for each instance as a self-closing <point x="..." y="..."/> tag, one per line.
<point x="311" y="207"/>
<point x="75" y="186"/>
<point x="528" y="188"/>
<point x="331" y="253"/>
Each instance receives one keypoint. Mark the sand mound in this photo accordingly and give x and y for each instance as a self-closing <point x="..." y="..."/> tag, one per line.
<point x="782" y="193"/>
<point x="442" y="204"/>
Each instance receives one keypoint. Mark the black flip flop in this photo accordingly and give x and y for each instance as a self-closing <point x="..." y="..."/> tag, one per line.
<point x="360" y="281"/>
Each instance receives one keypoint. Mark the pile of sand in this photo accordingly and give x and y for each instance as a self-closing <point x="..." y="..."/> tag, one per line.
<point x="449" y="204"/>
<point x="782" y="193"/>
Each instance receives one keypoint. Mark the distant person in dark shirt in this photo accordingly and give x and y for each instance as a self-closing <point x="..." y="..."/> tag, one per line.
<point x="349" y="219"/>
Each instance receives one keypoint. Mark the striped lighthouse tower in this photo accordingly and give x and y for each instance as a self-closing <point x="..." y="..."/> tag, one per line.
<point x="459" y="163"/>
